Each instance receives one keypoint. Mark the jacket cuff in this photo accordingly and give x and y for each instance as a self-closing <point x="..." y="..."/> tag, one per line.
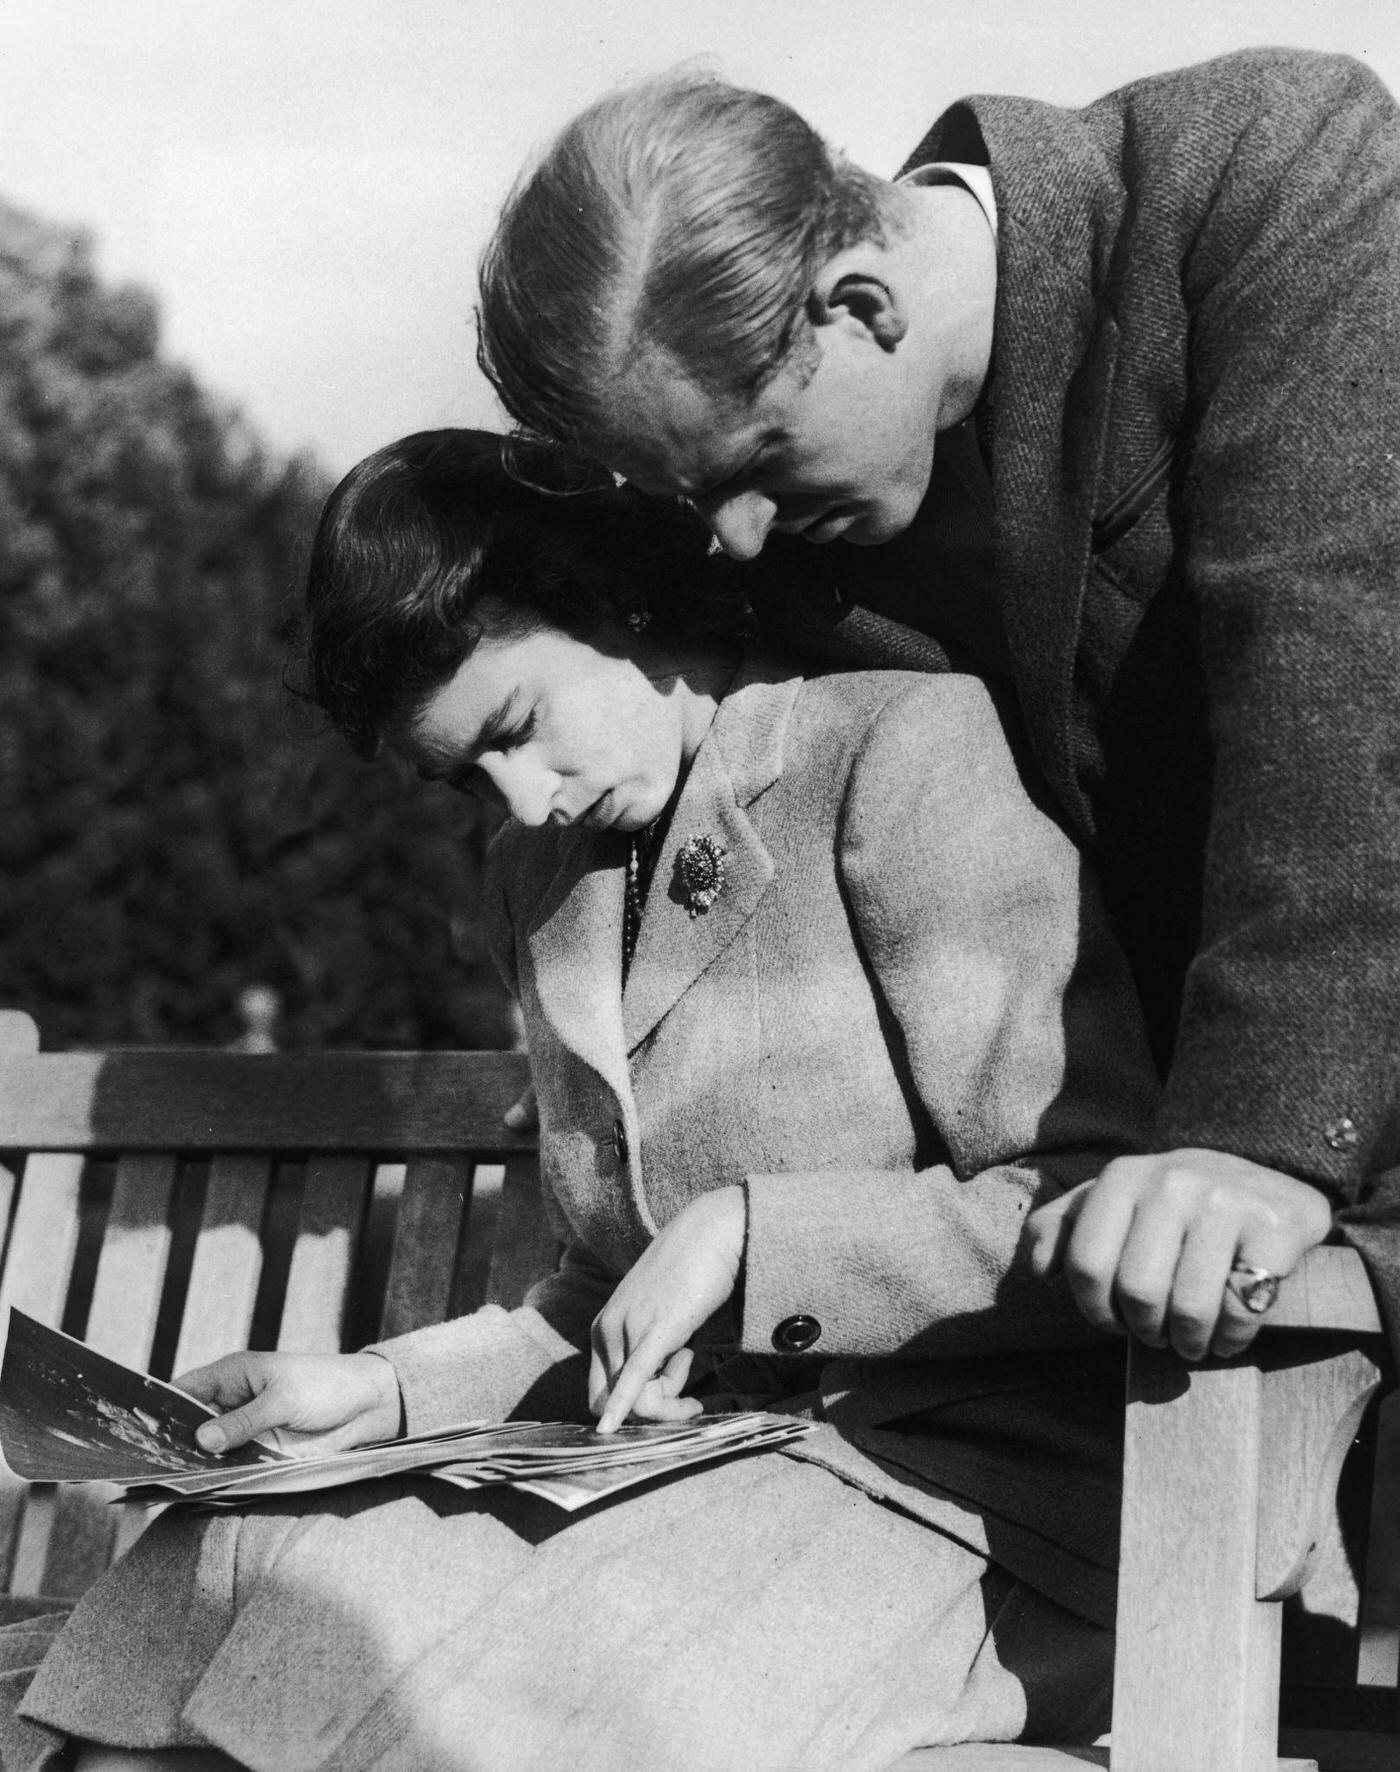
<point x="482" y="1367"/>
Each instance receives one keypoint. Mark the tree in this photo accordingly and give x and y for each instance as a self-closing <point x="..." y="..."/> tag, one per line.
<point x="173" y="826"/>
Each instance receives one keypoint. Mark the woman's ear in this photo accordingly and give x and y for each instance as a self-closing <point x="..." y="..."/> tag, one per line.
<point x="850" y="287"/>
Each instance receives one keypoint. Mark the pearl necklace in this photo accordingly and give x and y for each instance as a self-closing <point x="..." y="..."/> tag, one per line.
<point x="641" y="861"/>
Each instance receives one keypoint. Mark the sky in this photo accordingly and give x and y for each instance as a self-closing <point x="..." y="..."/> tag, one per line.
<point x="306" y="185"/>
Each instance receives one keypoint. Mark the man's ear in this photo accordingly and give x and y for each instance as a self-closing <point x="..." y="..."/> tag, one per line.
<point x="849" y="287"/>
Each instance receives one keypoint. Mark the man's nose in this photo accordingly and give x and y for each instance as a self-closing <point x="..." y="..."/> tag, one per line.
<point x="740" y="524"/>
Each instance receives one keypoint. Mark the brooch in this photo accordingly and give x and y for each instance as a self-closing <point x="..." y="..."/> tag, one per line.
<point x="701" y="863"/>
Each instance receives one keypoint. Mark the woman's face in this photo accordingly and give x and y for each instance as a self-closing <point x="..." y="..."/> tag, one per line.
<point x="555" y="730"/>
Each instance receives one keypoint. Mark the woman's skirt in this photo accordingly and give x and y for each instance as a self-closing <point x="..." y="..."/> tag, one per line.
<point x="752" y="1616"/>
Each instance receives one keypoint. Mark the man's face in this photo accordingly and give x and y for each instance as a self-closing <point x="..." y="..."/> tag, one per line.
<point x="845" y="451"/>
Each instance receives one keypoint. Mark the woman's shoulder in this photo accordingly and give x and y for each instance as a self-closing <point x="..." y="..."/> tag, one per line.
<point x="923" y="705"/>
<point x="935" y="744"/>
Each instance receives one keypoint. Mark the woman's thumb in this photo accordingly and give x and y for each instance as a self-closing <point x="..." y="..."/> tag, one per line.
<point x="237" y="1427"/>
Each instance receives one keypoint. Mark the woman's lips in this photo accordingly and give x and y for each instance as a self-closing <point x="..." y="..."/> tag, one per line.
<point x="598" y="817"/>
<point x="829" y="524"/>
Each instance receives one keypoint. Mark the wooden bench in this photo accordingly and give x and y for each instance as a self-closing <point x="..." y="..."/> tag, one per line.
<point x="170" y="1205"/>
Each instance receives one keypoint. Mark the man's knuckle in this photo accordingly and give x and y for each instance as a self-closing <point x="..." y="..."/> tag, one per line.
<point x="1122" y="1171"/>
<point x="1178" y="1186"/>
<point x="1195" y="1308"/>
<point x="1138" y="1294"/>
<point x="1083" y="1269"/>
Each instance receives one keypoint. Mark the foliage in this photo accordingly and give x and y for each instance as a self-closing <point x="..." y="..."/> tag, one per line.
<point x="173" y="826"/>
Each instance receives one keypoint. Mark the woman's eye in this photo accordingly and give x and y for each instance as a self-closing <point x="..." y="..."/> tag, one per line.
<point x="475" y="783"/>
<point x="517" y="735"/>
<point x="466" y="781"/>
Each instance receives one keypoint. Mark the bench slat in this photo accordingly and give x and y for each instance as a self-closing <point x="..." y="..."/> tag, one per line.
<point x="432" y="1214"/>
<point x="43" y="1239"/>
<point x="121" y="1324"/>
<point x="323" y="1257"/>
<point x="227" y="1262"/>
<point x="135" y="1252"/>
<point x="475" y="1250"/>
<point x="38" y="1268"/>
<point x="524" y="1248"/>
<point x="321" y="1101"/>
<point x="12" y="1491"/>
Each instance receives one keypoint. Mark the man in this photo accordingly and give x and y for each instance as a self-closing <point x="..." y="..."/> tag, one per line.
<point x="1104" y="402"/>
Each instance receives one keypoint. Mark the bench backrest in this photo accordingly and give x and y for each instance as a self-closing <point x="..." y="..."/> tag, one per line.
<point x="168" y="1206"/>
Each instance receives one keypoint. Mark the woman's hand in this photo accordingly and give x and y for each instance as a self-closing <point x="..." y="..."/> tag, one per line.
<point x="301" y="1403"/>
<point x="1148" y="1245"/>
<point x="640" y="1359"/>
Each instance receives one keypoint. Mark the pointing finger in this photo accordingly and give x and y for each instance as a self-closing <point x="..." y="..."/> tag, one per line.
<point x="1048" y="1229"/>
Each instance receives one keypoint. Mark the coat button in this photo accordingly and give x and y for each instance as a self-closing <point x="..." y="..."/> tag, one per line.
<point x="1341" y="1134"/>
<point x="620" y="1141"/>
<point x="794" y="1335"/>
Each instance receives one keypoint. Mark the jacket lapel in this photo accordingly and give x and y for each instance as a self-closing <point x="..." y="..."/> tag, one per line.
<point x="740" y="758"/>
<point x="1055" y="345"/>
<point x="575" y="944"/>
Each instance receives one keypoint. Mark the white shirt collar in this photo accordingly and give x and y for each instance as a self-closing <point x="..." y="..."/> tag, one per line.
<point x="977" y="179"/>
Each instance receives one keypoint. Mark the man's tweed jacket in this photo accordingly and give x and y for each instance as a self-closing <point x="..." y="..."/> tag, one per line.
<point x="1193" y="426"/>
<point x="900" y="1024"/>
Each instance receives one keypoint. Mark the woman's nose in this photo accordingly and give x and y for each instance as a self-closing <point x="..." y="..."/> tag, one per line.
<point x="525" y="790"/>
<point x="741" y="523"/>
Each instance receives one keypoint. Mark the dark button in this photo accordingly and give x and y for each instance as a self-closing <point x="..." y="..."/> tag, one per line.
<point x="794" y="1335"/>
<point x="1341" y="1134"/>
<point x="620" y="1140"/>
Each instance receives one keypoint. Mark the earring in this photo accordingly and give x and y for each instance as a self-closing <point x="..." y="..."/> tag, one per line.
<point x="639" y="620"/>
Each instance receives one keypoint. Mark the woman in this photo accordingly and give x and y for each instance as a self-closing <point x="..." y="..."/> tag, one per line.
<point x="818" y="1007"/>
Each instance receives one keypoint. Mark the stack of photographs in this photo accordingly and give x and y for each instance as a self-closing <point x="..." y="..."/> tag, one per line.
<point x="572" y="1465"/>
<point x="69" y="1414"/>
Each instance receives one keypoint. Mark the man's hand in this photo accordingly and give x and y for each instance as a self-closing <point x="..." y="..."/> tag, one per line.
<point x="1148" y="1245"/>
<point x="301" y="1403"/>
<point x="640" y="1360"/>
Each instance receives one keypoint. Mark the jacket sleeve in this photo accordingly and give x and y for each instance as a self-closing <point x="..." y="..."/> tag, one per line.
<point x="530" y="1363"/>
<point x="1289" y="1043"/>
<point x="1022" y="1037"/>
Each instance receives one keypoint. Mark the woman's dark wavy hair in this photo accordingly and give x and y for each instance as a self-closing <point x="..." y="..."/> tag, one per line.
<point x="416" y="536"/>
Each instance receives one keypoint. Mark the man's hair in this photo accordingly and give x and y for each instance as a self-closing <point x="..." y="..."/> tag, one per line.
<point x="420" y="533"/>
<point x="681" y="215"/>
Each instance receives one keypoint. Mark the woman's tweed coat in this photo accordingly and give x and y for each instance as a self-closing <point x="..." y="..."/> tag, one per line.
<point x="899" y="1026"/>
